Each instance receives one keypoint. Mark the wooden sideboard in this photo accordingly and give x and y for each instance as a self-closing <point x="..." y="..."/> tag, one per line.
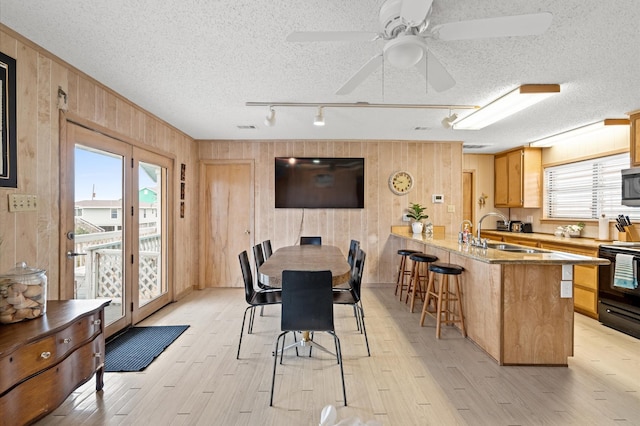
<point x="45" y="359"/>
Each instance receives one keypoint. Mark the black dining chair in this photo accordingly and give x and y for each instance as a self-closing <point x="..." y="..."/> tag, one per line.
<point x="353" y="251"/>
<point x="307" y="304"/>
<point x="266" y="248"/>
<point x="258" y="257"/>
<point x="353" y="298"/>
<point x="314" y="241"/>
<point x="254" y="298"/>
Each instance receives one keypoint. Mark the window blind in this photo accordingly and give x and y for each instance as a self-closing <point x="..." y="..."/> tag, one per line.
<point x="586" y="189"/>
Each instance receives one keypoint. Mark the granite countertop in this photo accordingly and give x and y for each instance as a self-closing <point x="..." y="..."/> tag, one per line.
<point x="550" y="238"/>
<point x="546" y="257"/>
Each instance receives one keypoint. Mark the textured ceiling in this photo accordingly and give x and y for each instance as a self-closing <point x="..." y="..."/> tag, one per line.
<point x="194" y="63"/>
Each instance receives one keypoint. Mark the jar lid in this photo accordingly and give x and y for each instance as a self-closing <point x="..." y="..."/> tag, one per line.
<point x="21" y="270"/>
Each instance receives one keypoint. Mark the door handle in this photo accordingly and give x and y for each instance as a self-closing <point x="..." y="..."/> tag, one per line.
<point x="71" y="254"/>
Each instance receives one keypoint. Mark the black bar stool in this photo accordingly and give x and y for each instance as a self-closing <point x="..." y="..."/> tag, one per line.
<point x="403" y="271"/>
<point x="419" y="274"/>
<point x="443" y="297"/>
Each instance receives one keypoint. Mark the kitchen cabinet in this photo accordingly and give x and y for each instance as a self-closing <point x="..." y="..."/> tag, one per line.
<point x="634" y="137"/>
<point x="518" y="178"/>
<point x="45" y="359"/>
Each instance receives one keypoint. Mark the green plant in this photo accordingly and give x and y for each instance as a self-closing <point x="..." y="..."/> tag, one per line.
<point x="416" y="212"/>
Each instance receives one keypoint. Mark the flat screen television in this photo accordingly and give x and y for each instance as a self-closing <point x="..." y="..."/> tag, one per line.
<point x="319" y="183"/>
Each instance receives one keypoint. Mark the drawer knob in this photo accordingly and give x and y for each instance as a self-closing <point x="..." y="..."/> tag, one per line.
<point x="66" y="340"/>
<point x="97" y="322"/>
<point x="45" y="355"/>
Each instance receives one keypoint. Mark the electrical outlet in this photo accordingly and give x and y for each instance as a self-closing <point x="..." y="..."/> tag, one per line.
<point x="566" y="289"/>
<point x="567" y="272"/>
<point x="23" y="203"/>
<point x="451" y="208"/>
<point x="405" y="218"/>
<point x="529" y="218"/>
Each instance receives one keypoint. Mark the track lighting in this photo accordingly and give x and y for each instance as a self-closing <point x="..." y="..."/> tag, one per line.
<point x="319" y="118"/>
<point x="270" y="119"/>
<point x="447" y="122"/>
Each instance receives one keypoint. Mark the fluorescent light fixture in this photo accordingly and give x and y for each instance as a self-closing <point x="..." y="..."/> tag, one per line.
<point x="599" y="125"/>
<point x="514" y="101"/>
<point x="270" y="119"/>
<point x="319" y="118"/>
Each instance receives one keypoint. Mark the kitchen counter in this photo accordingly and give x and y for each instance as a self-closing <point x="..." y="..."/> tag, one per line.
<point x="535" y="236"/>
<point x="517" y="308"/>
<point x="499" y="256"/>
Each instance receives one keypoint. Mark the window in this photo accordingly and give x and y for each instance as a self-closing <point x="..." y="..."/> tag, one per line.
<point x="114" y="213"/>
<point x="586" y="189"/>
<point x="78" y="211"/>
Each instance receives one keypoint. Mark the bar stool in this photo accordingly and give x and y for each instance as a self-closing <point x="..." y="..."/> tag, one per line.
<point x="443" y="297"/>
<point x="419" y="274"/>
<point x="402" y="270"/>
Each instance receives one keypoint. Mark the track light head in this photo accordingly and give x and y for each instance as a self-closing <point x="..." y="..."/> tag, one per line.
<point x="447" y="122"/>
<point x="270" y="119"/>
<point x="319" y="118"/>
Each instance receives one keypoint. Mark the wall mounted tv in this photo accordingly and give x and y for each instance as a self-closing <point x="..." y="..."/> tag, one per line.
<point x="319" y="183"/>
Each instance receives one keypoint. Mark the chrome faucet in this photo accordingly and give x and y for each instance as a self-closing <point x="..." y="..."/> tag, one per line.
<point x="490" y="214"/>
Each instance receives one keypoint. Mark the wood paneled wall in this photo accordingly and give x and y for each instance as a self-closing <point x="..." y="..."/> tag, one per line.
<point x="436" y="167"/>
<point x="33" y="236"/>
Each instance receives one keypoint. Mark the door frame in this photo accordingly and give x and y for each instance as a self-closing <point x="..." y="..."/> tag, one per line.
<point x="203" y="208"/>
<point x="67" y="172"/>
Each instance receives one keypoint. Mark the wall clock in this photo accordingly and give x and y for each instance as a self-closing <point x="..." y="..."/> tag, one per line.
<point x="400" y="182"/>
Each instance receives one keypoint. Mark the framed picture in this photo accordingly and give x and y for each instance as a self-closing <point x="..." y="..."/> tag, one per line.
<point x="183" y="172"/>
<point x="182" y="209"/>
<point x="182" y="190"/>
<point x="8" y="155"/>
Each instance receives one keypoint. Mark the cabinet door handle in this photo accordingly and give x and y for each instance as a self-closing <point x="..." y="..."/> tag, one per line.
<point x="45" y="355"/>
<point x="66" y="340"/>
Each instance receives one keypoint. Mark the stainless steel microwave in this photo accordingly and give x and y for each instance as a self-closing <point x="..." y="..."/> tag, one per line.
<point x="631" y="187"/>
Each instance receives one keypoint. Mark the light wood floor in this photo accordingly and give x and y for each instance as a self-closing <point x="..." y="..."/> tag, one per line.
<point x="410" y="379"/>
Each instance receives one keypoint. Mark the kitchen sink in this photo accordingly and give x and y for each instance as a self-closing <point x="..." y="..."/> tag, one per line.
<point x="514" y="248"/>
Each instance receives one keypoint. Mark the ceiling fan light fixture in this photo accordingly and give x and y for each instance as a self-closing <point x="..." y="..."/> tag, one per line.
<point x="318" y="120"/>
<point x="404" y="51"/>
<point x="270" y="119"/>
<point x="589" y="128"/>
<point x="514" y="101"/>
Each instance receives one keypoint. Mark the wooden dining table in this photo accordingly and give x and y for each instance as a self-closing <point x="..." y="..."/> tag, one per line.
<point x="305" y="258"/>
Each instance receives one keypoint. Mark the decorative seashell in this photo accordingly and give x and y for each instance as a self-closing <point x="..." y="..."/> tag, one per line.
<point x="7" y="318"/>
<point x="19" y="287"/>
<point x="9" y="309"/>
<point x="16" y="299"/>
<point x="32" y="291"/>
<point x="3" y="302"/>
<point x="27" y="303"/>
<point x="23" y="313"/>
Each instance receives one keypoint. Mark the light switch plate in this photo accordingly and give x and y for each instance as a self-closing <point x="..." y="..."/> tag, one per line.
<point x="23" y="202"/>
<point x="567" y="272"/>
<point x="451" y="208"/>
<point x="437" y="198"/>
<point x="566" y="289"/>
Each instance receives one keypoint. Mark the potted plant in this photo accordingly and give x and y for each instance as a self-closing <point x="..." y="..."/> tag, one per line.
<point x="573" y="230"/>
<point x="416" y="212"/>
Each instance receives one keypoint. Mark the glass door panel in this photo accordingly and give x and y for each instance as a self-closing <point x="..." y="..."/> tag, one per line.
<point x="99" y="270"/>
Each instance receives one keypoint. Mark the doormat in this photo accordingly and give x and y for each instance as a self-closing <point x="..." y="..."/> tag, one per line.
<point x="137" y="347"/>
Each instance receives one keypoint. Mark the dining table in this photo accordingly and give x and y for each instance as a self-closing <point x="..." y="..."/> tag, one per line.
<point x="305" y="258"/>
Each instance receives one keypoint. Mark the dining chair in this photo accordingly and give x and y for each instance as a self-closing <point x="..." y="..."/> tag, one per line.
<point x="254" y="298"/>
<point x="307" y="304"/>
<point x="258" y="257"/>
<point x="353" y="251"/>
<point x="315" y="241"/>
<point x="353" y="298"/>
<point x="266" y="248"/>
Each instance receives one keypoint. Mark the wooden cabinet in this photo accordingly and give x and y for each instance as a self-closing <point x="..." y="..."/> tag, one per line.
<point x="522" y="241"/>
<point x="518" y="178"/>
<point x="45" y="359"/>
<point x="635" y="138"/>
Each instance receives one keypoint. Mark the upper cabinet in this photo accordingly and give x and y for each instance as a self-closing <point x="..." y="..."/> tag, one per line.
<point x="635" y="138"/>
<point x="518" y="178"/>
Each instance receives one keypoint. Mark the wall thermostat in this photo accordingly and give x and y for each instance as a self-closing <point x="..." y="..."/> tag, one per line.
<point x="437" y="198"/>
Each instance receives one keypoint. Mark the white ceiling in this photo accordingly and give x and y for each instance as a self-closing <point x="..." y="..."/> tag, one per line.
<point x="194" y="64"/>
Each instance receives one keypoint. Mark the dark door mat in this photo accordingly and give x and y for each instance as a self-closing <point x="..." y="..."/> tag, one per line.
<point x="137" y="347"/>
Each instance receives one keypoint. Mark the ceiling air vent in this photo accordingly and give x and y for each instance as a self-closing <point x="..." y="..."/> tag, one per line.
<point x="421" y="128"/>
<point x="246" y="127"/>
<point x="473" y="146"/>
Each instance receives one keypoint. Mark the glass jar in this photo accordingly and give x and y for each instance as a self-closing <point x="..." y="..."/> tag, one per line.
<point x="23" y="294"/>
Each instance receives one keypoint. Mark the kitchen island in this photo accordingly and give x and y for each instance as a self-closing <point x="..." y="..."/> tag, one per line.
<point x="515" y="306"/>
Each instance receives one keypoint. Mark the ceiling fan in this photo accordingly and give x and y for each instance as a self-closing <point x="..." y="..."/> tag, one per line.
<point x="405" y="25"/>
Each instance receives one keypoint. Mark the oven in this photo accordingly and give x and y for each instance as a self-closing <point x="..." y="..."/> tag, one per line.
<point x="619" y="294"/>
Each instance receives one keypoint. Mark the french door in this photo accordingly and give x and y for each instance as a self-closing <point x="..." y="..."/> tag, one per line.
<point x="114" y="225"/>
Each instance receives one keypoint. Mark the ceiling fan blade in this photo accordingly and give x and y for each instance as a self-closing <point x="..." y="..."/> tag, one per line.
<point x="438" y="77"/>
<point x="505" y="26"/>
<point x="364" y="72"/>
<point x="414" y="12"/>
<point x="307" y="36"/>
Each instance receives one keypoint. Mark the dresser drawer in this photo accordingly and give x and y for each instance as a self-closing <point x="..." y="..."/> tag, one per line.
<point x="26" y="361"/>
<point x="28" y="401"/>
<point x="78" y="332"/>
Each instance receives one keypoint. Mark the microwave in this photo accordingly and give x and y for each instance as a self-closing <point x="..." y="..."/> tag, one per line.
<point x="631" y="187"/>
